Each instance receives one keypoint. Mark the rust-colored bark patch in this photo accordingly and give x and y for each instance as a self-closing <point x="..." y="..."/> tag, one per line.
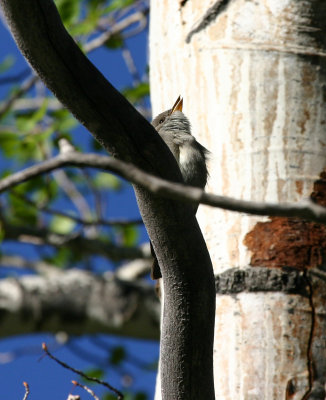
<point x="290" y="242"/>
<point x="287" y="242"/>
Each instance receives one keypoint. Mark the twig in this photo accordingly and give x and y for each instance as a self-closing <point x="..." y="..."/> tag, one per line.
<point x="96" y="195"/>
<point x="26" y="390"/>
<point x="35" y="103"/>
<point x="131" y="359"/>
<point x="305" y="210"/>
<point x="129" y="61"/>
<point x="29" y="83"/>
<point x="14" y="78"/>
<point x="74" y="241"/>
<point x="99" y="381"/>
<point x="90" y="391"/>
<point x="142" y="24"/>
<point x="117" y="28"/>
<point x="72" y="193"/>
<point x="112" y="222"/>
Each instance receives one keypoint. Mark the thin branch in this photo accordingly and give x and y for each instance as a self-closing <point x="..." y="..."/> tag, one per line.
<point x="87" y="389"/>
<point x="95" y="193"/>
<point x="73" y="397"/>
<point x="119" y="13"/>
<point x="14" y="78"/>
<point x="305" y="210"/>
<point x="74" y="241"/>
<point x="80" y="373"/>
<point x="26" y="390"/>
<point x="89" y="356"/>
<point x="111" y="222"/>
<point x="117" y="28"/>
<point x="28" y="84"/>
<point x="72" y="193"/>
<point x="103" y="362"/>
<point x="139" y="28"/>
<point x="129" y="61"/>
<point x="35" y="103"/>
<point x="103" y="345"/>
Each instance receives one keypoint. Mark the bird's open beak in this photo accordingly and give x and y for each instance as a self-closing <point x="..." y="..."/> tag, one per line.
<point x="177" y="105"/>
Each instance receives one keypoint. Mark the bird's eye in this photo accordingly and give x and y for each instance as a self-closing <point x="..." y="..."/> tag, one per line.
<point x="161" y="120"/>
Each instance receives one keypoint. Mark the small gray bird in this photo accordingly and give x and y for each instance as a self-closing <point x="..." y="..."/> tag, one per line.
<point x="174" y="128"/>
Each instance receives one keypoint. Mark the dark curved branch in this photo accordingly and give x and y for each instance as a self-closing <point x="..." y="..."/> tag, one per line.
<point x="187" y="332"/>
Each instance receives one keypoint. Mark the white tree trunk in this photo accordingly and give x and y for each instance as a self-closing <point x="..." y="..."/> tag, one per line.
<point x="252" y="75"/>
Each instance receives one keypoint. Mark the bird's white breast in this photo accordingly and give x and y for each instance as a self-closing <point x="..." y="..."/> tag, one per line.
<point x="185" y="154"/>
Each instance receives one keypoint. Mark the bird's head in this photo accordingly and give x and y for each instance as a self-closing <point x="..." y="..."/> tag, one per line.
<point x="172" y="119"/>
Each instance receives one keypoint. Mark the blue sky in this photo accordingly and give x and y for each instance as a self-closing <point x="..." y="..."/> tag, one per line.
<point x="46" y="379"/>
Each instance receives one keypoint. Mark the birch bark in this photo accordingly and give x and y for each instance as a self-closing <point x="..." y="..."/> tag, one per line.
<point x="252" y="75"/>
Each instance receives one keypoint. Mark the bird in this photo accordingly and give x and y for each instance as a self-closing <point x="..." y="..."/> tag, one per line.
<point x="175" y="129"/>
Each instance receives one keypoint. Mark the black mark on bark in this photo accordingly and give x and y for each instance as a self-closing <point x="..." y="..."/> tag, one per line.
<point x="210" y="16"/>
<point x="260" y="279"/>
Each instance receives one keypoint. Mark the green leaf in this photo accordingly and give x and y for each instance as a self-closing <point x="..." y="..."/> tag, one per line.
<point x="105" y="180"/>
<point x="93" y="4"/>
<point x="27" y="122"/>
<point x="118" y="4"/>
<point x="117" y="355"/>
<point x="110" y="396"/>
<point x="47" y="192"/>
<point x="23" y="148"/>
<point x="21" y="211"/>
<point x="7" y="63"/>
<point x="2" y="232"/>
<point x="84" y="28"/>
<point x="8" y="144"/>
<point x="129" y="235"/>
<point x="62" y="257"/>
<point x="69" y="10"/>
<point x="96" y="145"/>
<point x="29" y="186"/>
<point x="141" y="396"/>
<point x="62" y="225"/>
<point x="134" y="94"/>
<point x="5" y="172"/>
<point x="64" y="121"/>
<point x="115" y="41"/>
